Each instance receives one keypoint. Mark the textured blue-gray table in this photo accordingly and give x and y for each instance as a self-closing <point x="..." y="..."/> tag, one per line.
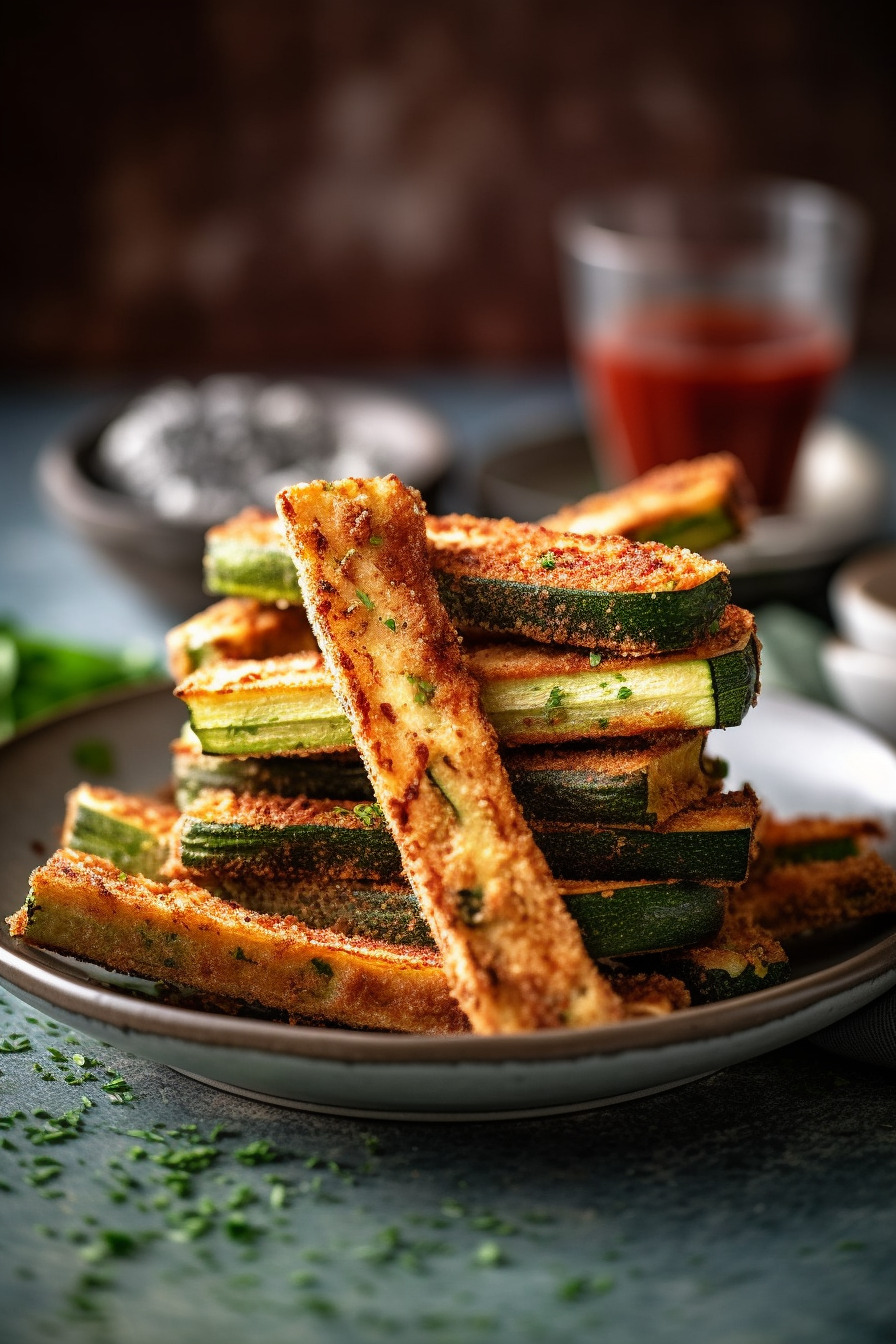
<point x="753" y="1207"/>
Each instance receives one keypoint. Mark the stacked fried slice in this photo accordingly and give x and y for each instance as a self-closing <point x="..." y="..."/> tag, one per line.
<point x="408" y="830"/>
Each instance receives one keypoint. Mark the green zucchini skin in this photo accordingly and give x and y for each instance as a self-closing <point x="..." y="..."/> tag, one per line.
<point x="712" y="984"/>
<point x="337" y="776"/>
<point x="663" y="915"/>
<point x="659" y="621"/>
<point x="343" y="850"/>
<point x="617" y="923"/>
<point x="274" y="852"/>
<point x="235" y="568"/>
<point x="591" y="786"/>
<point x="735" y="683"/>
<point x="131" y="848"/>
<point x="813" y="851"/>
<point x="583" y="853"/>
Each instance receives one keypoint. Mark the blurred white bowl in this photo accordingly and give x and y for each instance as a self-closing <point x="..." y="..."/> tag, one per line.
<point x="863" y="600"/>
<point x="864" y="683"/>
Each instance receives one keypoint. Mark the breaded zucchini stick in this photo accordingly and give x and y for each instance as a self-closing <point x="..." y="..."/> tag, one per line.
<point x="697" y="503"/>
<point x="512" y="954"/>
<point x="799" y="898"/>
<point x="181" y="934"/>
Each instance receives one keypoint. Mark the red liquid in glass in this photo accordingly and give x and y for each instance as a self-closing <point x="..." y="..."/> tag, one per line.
<point x="680" y="380"/>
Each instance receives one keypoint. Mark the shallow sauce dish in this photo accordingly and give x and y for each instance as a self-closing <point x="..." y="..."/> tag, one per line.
<point x="801" y="758"/>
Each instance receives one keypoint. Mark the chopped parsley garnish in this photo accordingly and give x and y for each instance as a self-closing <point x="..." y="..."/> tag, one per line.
<point x="624" y="693"/>
<point x="368" y="813"/>
<point x="553" y="702"/>
<point x="389" y="622"/>
<point x="262" y="1150"/>
<point x="548" y="560"/>
<point x="365" y="600"/>
<point x="595" y="659"/>
<point x="239" y="955"/>
<point x="322" y="967"/>
<point x="376" y="541"/>
<point x="424" y="690"/>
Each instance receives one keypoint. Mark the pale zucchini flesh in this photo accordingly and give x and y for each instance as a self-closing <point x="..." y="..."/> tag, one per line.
<point x="285" y="704"/>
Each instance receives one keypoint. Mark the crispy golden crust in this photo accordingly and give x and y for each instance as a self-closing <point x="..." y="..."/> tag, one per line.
<point x="527" y="661"/>
<point x="802" y="897"/>
<point x="237" y="628"/>
<point x="222" y="807"/>
<point x="664" y="495"/>
<point x="179" y="933"/>
<point x="492" y="548"/>
<point x="512" y="953"/>
<point x="147" y="814"/>
<point x="772" y="832"/>
<point x="252" y="525"/>
<point x="649" y="993"/>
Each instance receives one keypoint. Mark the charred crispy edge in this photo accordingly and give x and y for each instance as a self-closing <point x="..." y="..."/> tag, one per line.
<point x="529" y="969"/>
<point x="800" y="898"/>
<point x="668" y="494"/>
<point x="181" y="934"/>
<point x="743" y="958"/>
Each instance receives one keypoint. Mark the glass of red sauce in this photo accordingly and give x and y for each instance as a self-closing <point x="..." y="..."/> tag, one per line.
<point x="711" y="319"/>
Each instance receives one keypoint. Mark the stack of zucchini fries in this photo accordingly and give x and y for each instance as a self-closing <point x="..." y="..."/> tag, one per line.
<point x="443" y="773"/>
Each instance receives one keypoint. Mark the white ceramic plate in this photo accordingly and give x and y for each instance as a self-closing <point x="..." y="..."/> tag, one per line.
<point x="799" y="756"/>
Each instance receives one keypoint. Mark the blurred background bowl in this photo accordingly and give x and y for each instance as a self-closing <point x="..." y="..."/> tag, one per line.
<point x="373" y="432"/>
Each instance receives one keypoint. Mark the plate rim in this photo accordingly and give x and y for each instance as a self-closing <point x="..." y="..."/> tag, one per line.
<point x="24" y="967"/>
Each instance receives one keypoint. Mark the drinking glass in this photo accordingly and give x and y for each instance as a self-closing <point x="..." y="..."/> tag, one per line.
<point x="708" y="319"/>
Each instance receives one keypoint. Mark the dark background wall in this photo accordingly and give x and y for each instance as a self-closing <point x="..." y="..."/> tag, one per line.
<point x="233" y="184"/>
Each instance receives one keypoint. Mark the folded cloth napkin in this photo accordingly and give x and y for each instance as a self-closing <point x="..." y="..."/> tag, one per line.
<point x="791" y="644"/>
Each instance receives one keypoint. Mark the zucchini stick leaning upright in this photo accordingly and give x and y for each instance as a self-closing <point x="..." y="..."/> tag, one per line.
<point x="512" y="954"/>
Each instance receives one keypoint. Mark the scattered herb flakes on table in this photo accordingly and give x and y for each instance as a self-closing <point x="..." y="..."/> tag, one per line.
<point x="162" y="1209"/>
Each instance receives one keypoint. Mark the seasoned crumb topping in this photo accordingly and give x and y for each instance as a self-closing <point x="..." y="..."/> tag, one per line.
<point x="525" y="553"/>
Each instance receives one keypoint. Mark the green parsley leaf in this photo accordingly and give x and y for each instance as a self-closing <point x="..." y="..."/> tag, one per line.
<point x="548" y="560"/>
<point x="553" y="702"/>
<point x="425" y="690"/>
<point x="365" y="600"/>
<point x="389" y="622"/>
<point x="595" y="658"/>
<point x="624" y="693"/>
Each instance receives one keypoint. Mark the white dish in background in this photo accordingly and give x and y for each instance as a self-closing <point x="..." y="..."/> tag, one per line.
<point x="863" y="600"/>
<point x="801" y="757"/>
<point x="863" y="683"/>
